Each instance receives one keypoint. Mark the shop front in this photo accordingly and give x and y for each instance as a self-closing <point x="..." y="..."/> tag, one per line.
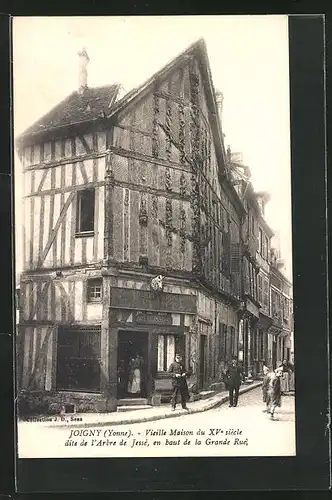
<point x="148" y="330"/>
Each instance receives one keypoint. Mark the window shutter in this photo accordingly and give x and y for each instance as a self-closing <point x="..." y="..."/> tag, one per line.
<point x="235" y="258"/>
<point x="222" y="339"/>
<point x="226" y="255"/>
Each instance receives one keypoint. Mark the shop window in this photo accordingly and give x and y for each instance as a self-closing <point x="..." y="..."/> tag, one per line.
<point x="85" y="212"/>
<point x="78" y="360"/>
<point x="94" y="290"/>
<point x="168" y="346"/>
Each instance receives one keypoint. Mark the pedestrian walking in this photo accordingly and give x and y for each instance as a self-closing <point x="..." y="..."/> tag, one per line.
<point x="285" y="379"/>
<point x="266" y="369"/>
<point x="180" y="387"/>
<point x="292" y="379"/>
<point x="273" y="391"/>
<point x="234" y="378"/>
<point x="265" y="384"/>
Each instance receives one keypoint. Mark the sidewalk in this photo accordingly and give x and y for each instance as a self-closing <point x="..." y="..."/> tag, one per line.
<point x="136" y="416"/>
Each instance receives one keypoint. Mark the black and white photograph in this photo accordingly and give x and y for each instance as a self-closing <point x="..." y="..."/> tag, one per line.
<point x="153" y="228"/>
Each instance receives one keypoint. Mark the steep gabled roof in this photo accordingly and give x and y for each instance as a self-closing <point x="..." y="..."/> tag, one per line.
<point x="197" y="49"/>
<point x="93" y="103"/>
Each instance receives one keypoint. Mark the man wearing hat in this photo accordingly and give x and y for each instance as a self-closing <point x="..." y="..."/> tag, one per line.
<point x="179" y="382"/>
<point x="234" y="378"/>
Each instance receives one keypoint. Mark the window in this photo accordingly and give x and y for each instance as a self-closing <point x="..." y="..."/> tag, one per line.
<point x="78" y="359"/>
<point x="252" y="278"/>
<point x="266" y="293"/>
<point x="226" y="254"/>
<point x="266" y="248"/>
<point x="94" y="290"/>
<point x="85" y="211"/>
<point x="285" y="309"/>
<point x="168" y="346"/>
<point x="274" y="302"/>
<point x="261" y="242"/>
<point x="260" y="289"/>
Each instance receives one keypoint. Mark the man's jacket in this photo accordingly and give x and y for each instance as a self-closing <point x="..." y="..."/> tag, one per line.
<point x="178" y="369"/>
<point x="234" y="376"/>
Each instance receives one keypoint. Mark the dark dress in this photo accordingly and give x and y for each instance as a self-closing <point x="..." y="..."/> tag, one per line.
<point x="273" y="391"/>
<point x="180" y="386"/>
<point x="265" y="384"/>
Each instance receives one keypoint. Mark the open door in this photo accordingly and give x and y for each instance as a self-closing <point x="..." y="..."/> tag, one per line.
<point x="132" y="364"/>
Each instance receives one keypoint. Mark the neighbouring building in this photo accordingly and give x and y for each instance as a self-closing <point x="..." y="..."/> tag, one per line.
<point x="281" y="303"/>
<point x="132" y="240"/>
<point x="255" y="240"/>
<point x="265" y="234"/>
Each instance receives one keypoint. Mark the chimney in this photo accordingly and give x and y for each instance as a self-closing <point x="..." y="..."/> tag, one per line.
<point x="83" y="72"/>
<point x="220" y="102"/>
<point x="263" y="198"/>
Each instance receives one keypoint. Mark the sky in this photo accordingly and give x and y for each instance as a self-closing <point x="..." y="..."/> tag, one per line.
<point x="249" y="62"/>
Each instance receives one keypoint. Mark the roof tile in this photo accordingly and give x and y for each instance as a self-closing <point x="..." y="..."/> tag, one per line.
<point x="75" y="108"/>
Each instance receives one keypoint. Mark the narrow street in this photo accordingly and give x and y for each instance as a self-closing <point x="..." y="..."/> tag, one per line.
<point x="241" y="431"/>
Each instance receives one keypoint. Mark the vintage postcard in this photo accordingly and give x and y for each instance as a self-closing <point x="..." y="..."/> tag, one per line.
<point x="153" y="245"/>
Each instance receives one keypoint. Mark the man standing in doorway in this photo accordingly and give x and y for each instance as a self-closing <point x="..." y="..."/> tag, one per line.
<point x="234" y="378"/>
<point x="180" y="386"/>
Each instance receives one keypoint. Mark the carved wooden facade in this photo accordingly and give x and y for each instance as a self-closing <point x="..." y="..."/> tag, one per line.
<point x="162" y="204"/>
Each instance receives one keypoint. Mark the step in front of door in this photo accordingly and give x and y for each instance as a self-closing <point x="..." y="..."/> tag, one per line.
<point x="132" y="402"/>
<point x="132" y="408"/>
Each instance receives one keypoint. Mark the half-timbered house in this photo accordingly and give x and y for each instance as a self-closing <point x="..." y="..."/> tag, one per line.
<point x="132" y="240"/>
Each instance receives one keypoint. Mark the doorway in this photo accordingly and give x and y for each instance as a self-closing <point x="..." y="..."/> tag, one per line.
<point x="202" y="361"/>
<point x="132" y="364"/>
<point x="274" y="354"/>
<point x="246" y="348"/>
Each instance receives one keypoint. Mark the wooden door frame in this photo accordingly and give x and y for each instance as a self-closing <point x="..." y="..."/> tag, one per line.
<point x="147" y="349"/>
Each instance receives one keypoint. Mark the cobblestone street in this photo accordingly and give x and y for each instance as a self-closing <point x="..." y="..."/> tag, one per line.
<point x="250" y="432"/>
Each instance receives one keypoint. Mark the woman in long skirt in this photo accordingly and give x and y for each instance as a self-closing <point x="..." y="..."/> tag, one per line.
<point x="134" y="386"/>
<point x="273" y="391"/>
<point x="285" y="379"/>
